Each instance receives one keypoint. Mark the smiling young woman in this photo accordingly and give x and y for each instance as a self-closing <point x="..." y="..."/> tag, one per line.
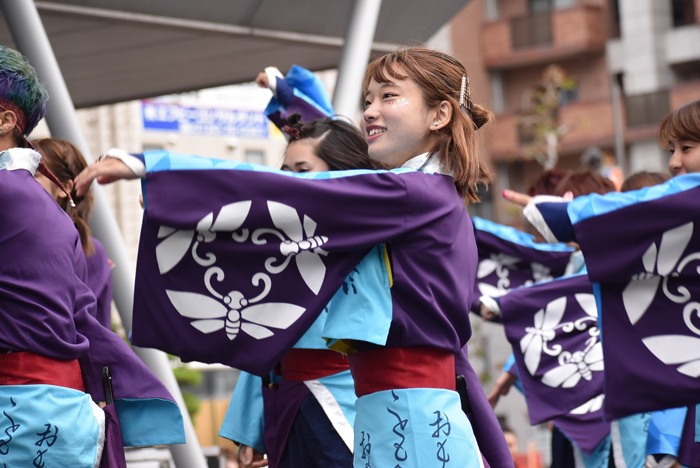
<point x="407" y="354"/>
<point x="419" y="101"/>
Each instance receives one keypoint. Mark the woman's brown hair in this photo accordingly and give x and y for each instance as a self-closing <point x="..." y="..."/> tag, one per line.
<point x="584" y="183"/>
<point x="341" y="145"/>
<point x="66" y="161"/>
<point x="440" y="78"/>
<point x="682" y="124"/>
<point x="643" y="179"/>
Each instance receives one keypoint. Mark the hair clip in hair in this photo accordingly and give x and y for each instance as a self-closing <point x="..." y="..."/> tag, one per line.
<point x="292" y="132"/>
<point x="463" y="92"/>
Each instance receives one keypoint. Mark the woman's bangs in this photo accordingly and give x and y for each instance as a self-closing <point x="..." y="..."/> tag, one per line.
<point x="384" y="70"/>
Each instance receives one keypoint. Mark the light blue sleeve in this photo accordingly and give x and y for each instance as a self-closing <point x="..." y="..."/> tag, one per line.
<point x="633" y="438"/>
<point x="665" y="431"/>
<point x="245" y="418"/>
<point x="305" y="81"/>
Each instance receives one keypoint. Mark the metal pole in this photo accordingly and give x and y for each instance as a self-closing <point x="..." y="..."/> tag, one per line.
<point x="619" y="131"/>
<point x="354" y="57"/>
<point x="30" y="36"/>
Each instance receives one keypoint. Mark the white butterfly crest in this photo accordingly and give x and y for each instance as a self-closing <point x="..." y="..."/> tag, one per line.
<point x="591" y="406"/>
<point x="235" y="314"/>
<point x="576" y="366"/>
<point x="300" y="242"/>
<point x="535" y="341"/>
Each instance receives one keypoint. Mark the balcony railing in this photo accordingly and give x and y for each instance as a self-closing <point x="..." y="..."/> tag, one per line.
<point x="529" y="31"/>
<point x="646" y="109"/>
<point x="544" y="37"/>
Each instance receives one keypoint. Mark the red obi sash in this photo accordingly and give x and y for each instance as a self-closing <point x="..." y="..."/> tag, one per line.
<point x="393" y="368"/>
<point x="311" y="364"/>
<point x="25" y="368"/>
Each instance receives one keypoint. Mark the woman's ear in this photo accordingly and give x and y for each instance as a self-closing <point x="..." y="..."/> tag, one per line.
<point x="8" y="120"/>
<point x="443" y="115"/>
<point x="69" y="187"/>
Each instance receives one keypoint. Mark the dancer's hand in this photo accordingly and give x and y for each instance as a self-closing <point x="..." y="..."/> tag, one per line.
<point x="502" y="387"/>
<point x="251" y="458"/>
<point x="105" y="170"/>
<point x="262" y="80"/>
<point x="486" y="313"/>
<point x="516" y="197"/>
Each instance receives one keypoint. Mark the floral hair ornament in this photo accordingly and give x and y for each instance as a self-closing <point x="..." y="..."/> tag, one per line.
<point x="21" y="125"/>
<point x="292" y="132"/>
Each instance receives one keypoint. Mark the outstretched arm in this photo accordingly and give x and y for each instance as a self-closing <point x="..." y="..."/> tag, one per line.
<point x="548" y="214"/>
<point x="114" y="165"/>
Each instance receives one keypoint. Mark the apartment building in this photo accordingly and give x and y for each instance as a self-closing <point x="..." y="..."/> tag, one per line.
<point x="631" y="62"/>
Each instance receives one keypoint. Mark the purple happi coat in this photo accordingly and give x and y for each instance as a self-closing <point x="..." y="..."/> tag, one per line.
<point x="236" y="261"/>
<point x="100" y="283"/>
<point x="553" y="328"/>
<point x="646" y="270"/>
<point x="47" y="310"/>
<point x="235" y="265"/>
<point x="509" y="258"/>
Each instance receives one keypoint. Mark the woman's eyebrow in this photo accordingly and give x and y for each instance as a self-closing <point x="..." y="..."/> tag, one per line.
<point x="382" y="85"/>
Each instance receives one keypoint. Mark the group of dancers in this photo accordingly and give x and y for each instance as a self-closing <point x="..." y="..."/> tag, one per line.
<point x="341" y="286"/>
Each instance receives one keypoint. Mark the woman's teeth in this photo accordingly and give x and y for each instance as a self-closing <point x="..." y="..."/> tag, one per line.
<point x="374" y="131"/>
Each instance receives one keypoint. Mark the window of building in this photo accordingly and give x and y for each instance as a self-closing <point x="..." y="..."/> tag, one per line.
<point x="533" y="30"/>
<point x="539" y="6"/>
<point x="567" y="96"/>
<point x="683" y="12"/>
<point x="255" y="157"/>
<point x="646" y="109"/>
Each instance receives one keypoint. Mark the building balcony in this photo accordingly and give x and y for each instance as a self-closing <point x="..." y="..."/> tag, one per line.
<point x="587" y="124"/>
<point x="544" y="37"/>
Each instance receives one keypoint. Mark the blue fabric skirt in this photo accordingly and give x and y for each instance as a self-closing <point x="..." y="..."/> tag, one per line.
<point x="46" y="425"/>
<point x="414" y="428"/>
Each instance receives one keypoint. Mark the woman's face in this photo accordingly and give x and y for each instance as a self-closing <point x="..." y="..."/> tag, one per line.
<point x="396" y="121"/>
<point x="685" y="156"/>
<point x="301" y="157"/>
<point x="49" y="186"/>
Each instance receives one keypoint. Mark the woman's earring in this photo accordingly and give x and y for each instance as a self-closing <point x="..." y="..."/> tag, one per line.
<point x="436" y="123"/>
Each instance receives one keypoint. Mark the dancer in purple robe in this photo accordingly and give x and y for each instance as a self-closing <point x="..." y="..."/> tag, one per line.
<point x="53" y="352"/>
<point x="418" y="117"/>
<point x="66" y="161"/>
<point x="635" y="315"/>
<point x="304" y="417"/>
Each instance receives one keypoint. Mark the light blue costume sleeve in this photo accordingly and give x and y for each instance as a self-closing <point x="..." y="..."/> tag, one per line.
<point x="631" y="439"/>
<point x="511" y="367"/>
<point x="307" y="83"/>
<point x="245" y="419"/>
<point x="665" y="430"/>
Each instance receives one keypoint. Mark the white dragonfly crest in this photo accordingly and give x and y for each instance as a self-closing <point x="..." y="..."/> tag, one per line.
<point x="176" y="243"/>
<point x="300" y="242"/>
<point x="659" y="264"/>
<point x="235" y="313"/>
<point x="535" y="341"/>
<point x="576" y="366"/>
<point x="591" y="406"/>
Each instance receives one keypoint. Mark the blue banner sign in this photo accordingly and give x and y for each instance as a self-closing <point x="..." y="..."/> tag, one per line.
<point x="203" y="121"/>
